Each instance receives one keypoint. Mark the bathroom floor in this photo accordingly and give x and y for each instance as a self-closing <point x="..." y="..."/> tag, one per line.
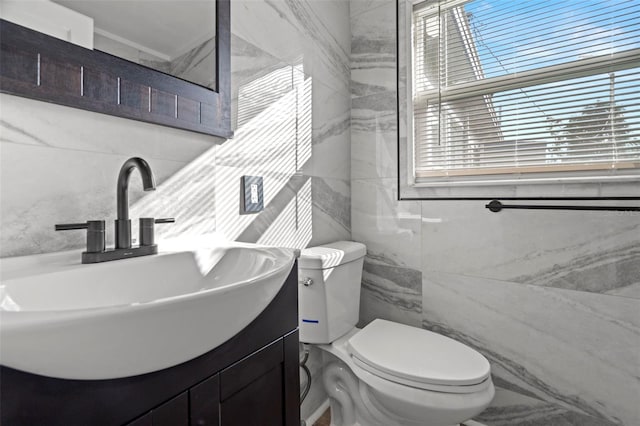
<point x="324" y="420"/>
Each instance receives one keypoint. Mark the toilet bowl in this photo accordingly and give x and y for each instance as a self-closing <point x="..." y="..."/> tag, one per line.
<point x="385" y="374"/>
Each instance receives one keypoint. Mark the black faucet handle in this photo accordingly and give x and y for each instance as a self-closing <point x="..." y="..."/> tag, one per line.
<point x="165" y="220"/>
<point x="147" y="233"/>
<point x="71" y="226"/>
<point x="95" y="233"/>
<point x="92" y="225"/>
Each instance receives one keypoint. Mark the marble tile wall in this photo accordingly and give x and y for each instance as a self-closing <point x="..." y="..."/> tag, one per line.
<point x="59" y="165"/>
<point x="290" y="66"/>
<point x="291" y="106"/>
<point x="392" y="279"/>
<point x="551" y="298"/>
<point x="293" y="117"/>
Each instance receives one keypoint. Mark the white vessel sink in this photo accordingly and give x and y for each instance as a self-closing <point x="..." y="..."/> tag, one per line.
<point x="60" y="318"/>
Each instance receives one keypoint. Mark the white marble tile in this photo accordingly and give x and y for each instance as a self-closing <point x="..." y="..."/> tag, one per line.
<point x="576" y="350"/>
<point x="252" y="19"/>
<point x="374" y="305"/>
<point x="510" y="408"/>
<point x="331" y="136"/>
<point x="249" y="61"/>
<point x="288" y="220"/>
<point x="391" y="282"/>
<point x="358" y="7"/>
<point x="186" y="195"/>
<point x="331" y="200"/>
<point x="299" y="210"/>
<point x="317" y="35"/>
<point x="374" y="135"/>
<point x="389" y="228"/>
<point x="390" y="292"/>
<point x="373" y="153"/>
<point x="373" y="49"/>
<point x="63" y="186"/>
<point x="25" y="121"/>
<point x="578" y="250"/>
<point x="267" y="133"/>
<point x="325" y="25"/>
<point x="249" y="64"/>
<point x="333" y="22"/>
<point x="280" y="190"/>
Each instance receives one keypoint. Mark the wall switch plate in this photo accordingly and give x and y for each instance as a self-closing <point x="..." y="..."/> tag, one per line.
<point x="251" y="195"/>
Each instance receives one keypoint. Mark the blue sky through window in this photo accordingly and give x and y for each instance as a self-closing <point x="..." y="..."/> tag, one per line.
<point x="516" y="36"/>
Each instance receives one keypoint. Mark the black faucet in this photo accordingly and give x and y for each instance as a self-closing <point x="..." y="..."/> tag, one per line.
<point x="96" y="251"/>
<point x="123" y="223"/>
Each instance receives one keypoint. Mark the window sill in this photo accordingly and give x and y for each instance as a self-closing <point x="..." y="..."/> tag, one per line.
<point x="551" y="186"/>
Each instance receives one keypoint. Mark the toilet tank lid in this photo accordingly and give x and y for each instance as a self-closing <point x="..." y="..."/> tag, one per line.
<point x="331" y="255"/>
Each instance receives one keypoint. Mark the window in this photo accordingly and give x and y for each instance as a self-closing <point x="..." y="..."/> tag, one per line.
<point x="503" y="89"/>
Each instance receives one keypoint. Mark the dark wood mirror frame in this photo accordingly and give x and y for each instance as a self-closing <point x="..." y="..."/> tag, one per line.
<point x="37" y="66"/>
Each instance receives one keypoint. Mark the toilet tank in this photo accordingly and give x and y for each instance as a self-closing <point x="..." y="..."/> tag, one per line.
<point x="329" y="279"/>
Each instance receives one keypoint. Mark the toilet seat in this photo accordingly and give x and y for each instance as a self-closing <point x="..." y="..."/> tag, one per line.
<point x="418" y="358"/>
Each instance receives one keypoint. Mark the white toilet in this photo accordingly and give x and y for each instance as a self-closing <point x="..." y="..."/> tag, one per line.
<point x="386" y="374"/>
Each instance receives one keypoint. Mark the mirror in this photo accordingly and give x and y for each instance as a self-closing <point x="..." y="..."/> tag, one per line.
<point x="176" y="37"/>
<point x="159" y="61"/>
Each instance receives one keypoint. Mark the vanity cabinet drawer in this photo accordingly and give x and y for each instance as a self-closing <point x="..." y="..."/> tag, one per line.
<point x="251" y="390"/>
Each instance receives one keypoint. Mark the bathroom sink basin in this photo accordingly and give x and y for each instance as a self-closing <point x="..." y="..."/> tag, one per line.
<point x="60" y="318"/>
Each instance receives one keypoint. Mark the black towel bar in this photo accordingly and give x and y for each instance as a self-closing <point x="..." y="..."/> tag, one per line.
<point x="496" y="206"/>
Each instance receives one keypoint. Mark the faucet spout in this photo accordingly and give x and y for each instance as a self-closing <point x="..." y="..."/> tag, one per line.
<point x="123" y="224"/>
<point x="148" y="183"/>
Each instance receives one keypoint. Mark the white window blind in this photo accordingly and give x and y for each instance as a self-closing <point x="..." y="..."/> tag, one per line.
<point x="503" y="87"/>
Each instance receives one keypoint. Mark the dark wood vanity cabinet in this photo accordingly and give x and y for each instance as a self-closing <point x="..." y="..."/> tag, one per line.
<point x="252" y="379"/>
<point x="250" y="392"/>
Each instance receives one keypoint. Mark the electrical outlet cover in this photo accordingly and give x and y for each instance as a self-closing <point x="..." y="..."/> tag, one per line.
<point x="251" y="195"/>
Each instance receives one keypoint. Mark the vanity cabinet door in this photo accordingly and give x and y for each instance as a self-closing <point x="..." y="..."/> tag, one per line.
<point x="204" y="400"/>
<point x="251" y="390"/>
<point x="174" y="412"/>
<point x="145" y="420"/>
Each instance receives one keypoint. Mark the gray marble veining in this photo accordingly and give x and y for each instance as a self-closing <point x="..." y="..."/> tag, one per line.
<point x="521" y="397"/>
<point x="577" y="350"/>
<point x="373" y="49"/>
<point x="552" y="250"/>
<point x="390" y="291"/>
<point x="333" y="202"/>
<point x="14" y="133"/>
